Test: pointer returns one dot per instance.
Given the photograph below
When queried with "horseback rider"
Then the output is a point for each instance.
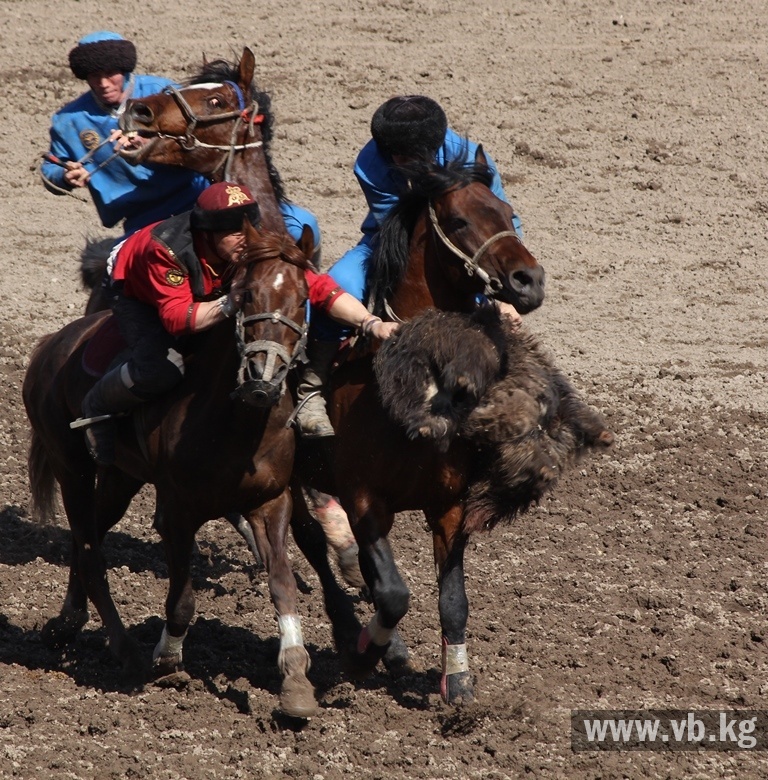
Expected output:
(165, 281)
(86, 141)
(403, 129)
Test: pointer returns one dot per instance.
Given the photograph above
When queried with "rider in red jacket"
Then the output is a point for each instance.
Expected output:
(165, 281)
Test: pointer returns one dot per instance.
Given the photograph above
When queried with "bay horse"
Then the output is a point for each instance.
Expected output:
(220, 124)
(219, 444)
(448, 241)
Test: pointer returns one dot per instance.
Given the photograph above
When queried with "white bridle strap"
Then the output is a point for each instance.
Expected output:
(472, 264)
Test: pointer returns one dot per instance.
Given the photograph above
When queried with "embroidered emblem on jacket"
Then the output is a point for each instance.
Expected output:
(90, 139)
(174, 277)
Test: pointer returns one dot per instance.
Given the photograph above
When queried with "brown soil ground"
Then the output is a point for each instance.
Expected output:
(632, 140)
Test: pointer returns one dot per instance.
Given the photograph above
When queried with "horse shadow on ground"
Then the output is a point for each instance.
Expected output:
(25, 540)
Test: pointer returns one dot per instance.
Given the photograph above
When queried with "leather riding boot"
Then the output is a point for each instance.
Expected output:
(312, 418)
(109, 396)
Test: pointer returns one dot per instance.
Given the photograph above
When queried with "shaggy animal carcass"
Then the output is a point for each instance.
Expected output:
(472, 378)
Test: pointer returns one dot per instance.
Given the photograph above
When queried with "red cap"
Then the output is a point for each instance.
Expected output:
(222, 206)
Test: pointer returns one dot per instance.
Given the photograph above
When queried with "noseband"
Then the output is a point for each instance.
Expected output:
(265, 390)
(244, 118)
(472, 264)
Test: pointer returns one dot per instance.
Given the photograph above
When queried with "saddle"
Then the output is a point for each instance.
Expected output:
(103, 348)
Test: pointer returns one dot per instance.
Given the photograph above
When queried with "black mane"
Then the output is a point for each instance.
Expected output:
(421, 182)
(221, 70)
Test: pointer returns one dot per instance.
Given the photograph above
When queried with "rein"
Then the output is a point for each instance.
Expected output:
(472, 264)
(244, 118)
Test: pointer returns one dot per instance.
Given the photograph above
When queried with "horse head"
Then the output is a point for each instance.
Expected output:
(449, 240)
(203, 124)
(476, 227)
(271, 326)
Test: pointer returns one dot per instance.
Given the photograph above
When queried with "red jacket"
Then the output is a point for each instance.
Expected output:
(150, 274)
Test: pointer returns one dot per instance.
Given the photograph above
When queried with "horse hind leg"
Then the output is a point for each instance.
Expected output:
(338, 533)
(91, 513)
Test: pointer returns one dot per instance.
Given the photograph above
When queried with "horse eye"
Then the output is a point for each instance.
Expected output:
(454, 224)
(214, 102)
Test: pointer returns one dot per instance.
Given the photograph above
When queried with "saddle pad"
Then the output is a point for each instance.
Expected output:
(103, 348)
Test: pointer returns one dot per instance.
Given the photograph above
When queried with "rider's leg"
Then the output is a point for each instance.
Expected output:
(325, 335)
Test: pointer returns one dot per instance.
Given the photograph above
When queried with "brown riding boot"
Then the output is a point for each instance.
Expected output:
(108, 397)
(312, 418)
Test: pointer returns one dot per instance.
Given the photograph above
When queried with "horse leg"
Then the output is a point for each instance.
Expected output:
(62, 629)
(240, 524)
(90, 513)
(449, 543)
(333, 519)
(312, 541)
(270, 523)
(178, 541)
(390, 594)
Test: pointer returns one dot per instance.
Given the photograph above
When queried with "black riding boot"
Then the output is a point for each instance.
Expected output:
(109, 396)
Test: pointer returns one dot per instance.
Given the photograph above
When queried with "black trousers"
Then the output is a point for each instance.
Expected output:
(156, 363)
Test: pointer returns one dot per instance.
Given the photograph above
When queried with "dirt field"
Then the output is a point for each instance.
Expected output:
(632, 141)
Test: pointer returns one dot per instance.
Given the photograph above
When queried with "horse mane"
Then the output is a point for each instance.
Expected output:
(421, 182)
(271, 245)
(222, 70)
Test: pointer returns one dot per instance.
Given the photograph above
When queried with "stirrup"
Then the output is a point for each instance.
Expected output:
(84, 422)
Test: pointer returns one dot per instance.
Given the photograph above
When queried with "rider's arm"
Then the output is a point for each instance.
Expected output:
(326, 295)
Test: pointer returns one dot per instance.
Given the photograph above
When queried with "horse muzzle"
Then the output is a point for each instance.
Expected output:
(259, 393)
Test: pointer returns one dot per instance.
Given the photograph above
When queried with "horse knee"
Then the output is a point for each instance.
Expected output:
(392, 603)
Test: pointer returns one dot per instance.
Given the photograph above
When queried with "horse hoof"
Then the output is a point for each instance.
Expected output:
(397, 659)
(178, 680)
(457, 688)
(59, 631)
(297, 697)
(167, 665)
(359, 665)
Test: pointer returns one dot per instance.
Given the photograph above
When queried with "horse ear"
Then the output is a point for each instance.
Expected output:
(247, 67)
(251, 234)
(480, 158)
(205, 60)
(307, 242)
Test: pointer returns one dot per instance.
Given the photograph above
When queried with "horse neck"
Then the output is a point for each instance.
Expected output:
(249, 168)
(431, 279)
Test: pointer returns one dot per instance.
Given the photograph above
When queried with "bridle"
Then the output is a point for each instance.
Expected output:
(472, 264)
(264, 388)
(245, 117)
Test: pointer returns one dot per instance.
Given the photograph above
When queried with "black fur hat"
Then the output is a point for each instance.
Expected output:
(412, 125)
(102, 51)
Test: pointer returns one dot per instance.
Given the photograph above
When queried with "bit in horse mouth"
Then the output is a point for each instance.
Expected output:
(140, 142)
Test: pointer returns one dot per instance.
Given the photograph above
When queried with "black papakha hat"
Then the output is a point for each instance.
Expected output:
(222, 206)
(412, 125)
(102, 51)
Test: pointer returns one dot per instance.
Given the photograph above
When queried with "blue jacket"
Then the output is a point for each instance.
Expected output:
(138, 194)
(380, 185)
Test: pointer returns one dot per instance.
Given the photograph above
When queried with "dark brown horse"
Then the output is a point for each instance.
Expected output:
(217, 445)
(448, 241)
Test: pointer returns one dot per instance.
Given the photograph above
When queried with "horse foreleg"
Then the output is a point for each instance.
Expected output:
(178, 540)
(389, 591)
(449, 544)
(270, 523)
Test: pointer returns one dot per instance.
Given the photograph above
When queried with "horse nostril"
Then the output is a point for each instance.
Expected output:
(142, 113)
(520, 280)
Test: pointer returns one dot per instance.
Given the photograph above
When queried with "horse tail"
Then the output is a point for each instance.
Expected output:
(41, 480)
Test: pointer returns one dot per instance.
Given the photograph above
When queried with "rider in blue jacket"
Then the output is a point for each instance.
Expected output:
(405, 128)
(85, 136)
